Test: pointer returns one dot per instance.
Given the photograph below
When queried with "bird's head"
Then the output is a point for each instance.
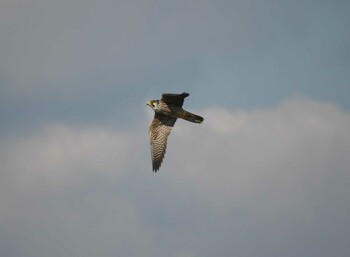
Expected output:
(152, 103)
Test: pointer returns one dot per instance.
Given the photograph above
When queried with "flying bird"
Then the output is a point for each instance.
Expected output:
(167, 110)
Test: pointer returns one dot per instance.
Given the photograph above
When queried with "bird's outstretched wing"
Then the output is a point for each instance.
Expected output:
(174, 99)
(159, 131)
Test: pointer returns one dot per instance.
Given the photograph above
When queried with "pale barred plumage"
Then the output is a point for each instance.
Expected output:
(167, 110)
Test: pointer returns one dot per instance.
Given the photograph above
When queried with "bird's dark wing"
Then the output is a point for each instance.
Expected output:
(174, 99)
(159, 131)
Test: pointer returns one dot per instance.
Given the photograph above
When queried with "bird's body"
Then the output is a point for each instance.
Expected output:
(167, 111)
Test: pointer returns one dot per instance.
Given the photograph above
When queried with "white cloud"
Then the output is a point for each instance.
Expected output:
(238, 183)
(282, 153)
(59, 154)
(59, 158)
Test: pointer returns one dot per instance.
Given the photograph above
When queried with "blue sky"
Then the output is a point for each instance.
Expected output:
(266, 174)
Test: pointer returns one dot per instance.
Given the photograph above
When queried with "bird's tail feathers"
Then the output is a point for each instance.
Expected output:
(191, 117)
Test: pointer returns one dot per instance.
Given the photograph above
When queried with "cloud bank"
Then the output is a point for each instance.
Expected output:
(266, 182)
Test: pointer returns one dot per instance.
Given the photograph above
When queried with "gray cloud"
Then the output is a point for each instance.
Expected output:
(75, 174)
(85, 60)
(270, 182)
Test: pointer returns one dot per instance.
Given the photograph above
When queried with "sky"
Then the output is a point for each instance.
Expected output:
(266, 174)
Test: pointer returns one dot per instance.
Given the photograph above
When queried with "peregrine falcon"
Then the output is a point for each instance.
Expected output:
(167, 110)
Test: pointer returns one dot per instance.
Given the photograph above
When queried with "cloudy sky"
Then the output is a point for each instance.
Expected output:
(266, 174)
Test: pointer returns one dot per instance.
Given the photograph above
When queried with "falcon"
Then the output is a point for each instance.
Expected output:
(167, 110)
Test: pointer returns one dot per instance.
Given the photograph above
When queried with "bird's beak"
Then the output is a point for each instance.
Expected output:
(149, 103)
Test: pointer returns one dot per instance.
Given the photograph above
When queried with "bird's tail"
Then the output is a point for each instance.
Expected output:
(191, 117)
